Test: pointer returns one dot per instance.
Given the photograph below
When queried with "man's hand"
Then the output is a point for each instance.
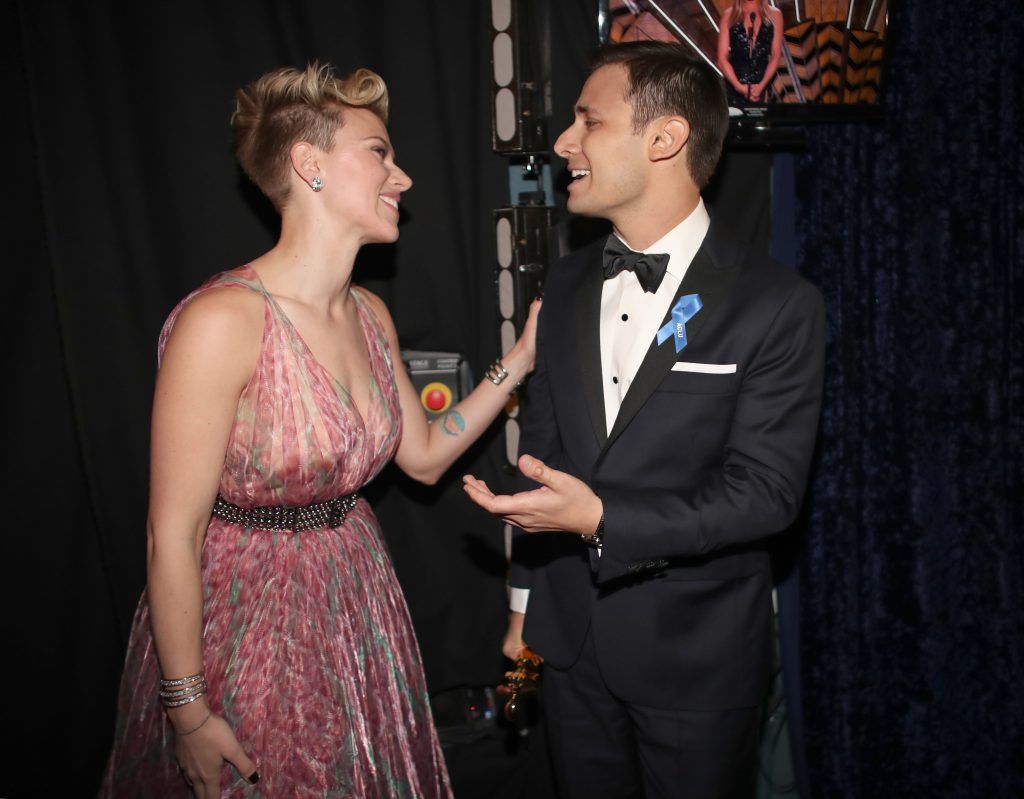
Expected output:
(513, 643)
(562, 503)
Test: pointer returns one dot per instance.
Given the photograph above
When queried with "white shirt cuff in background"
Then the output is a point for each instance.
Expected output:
(517, 599)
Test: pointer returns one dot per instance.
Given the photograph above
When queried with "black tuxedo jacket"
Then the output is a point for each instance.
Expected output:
(698, 471)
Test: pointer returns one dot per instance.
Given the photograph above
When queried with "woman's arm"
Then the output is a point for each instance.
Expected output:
(428, 449)
(723, 53)
(773, 62)
(209, 358)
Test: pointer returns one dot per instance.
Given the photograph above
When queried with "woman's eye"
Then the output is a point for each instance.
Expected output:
(380, 151)
(589, 123)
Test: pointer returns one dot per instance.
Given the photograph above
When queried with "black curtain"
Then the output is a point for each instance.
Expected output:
(913, 572)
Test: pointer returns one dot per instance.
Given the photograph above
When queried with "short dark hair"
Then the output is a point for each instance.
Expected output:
(665, 79)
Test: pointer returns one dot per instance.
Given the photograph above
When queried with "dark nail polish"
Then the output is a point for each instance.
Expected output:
(254, 778)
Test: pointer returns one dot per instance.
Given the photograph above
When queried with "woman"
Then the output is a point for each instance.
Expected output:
(275, 634)
(749, 48)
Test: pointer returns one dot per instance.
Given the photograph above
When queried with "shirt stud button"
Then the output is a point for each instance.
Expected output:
(615, 380)
(625, 317)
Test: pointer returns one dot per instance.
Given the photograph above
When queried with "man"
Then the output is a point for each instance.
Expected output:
(670, 426)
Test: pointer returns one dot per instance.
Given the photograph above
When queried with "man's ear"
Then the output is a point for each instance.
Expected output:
(305, 163)
(668, 137)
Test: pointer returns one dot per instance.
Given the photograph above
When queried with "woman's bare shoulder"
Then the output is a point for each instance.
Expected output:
(223, 308)
(222, 324)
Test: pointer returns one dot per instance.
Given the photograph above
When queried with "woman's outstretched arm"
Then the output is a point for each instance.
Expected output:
(428, 449)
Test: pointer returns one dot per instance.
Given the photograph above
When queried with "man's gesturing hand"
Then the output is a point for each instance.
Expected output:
(562, 503)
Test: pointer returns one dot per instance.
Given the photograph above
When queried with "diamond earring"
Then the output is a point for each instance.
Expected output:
(316, 183)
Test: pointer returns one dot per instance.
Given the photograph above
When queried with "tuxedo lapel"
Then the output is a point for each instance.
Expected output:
(707, 277)
(588, 339)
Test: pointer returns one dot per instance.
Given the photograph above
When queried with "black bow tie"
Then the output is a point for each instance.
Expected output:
(648, 267)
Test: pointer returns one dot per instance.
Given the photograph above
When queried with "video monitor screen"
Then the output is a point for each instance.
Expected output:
(798, 59)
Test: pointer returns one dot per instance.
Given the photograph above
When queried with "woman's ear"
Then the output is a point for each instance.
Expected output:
(305, 163)
(670, 135)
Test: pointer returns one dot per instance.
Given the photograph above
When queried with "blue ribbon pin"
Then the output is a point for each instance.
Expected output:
(682, 312)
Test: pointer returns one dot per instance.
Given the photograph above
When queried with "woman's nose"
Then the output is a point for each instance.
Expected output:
(401, 179)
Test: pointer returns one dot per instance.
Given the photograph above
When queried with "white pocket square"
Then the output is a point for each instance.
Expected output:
(705, 368)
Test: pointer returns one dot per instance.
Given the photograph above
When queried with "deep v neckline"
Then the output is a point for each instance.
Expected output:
(350, 403)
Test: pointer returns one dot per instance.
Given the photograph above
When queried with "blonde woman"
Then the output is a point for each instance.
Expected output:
(749, 48)
(272, 653)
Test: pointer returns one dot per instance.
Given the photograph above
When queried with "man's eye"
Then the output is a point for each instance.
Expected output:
(380, 151)
(589, 123)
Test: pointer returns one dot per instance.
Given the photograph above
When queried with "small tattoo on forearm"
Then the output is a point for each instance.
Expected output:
(452, 423)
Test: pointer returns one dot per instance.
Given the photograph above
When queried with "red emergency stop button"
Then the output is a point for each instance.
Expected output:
(435, 400)
(436, 397)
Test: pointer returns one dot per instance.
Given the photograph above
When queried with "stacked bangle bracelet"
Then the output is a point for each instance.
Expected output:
(497, 373)
(182, 691)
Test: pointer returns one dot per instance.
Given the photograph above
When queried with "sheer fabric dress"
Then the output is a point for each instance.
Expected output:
(749, 57)
(308, 647)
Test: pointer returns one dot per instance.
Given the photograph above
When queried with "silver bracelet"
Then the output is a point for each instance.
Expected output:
(182, 702)
(183, 692)
(171, 683)
(496, 372)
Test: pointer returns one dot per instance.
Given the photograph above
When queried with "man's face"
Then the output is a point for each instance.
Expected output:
(608, 163)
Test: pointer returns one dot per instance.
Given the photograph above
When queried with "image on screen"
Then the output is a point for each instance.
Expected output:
(812, 55)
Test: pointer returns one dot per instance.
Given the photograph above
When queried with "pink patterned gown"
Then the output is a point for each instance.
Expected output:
(307, 642)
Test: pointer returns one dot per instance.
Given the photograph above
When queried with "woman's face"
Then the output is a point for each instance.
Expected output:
(362, 182)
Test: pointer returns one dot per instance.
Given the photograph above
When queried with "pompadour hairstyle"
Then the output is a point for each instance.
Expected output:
(290, 105)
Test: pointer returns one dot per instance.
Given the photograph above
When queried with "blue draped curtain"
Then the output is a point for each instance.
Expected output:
(912, 611)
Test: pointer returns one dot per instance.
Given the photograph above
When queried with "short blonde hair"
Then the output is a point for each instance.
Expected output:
(290, 105)
(736, 12)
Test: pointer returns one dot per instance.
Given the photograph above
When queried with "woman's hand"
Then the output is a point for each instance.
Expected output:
(201, 755)
(427, 450)
(527, 343)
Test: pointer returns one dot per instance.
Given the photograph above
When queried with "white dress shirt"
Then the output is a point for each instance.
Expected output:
(630, 318)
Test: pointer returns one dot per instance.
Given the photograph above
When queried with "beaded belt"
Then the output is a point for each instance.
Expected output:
(278, 517)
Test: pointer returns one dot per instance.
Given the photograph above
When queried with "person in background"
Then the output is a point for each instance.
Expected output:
(272, 653)
(749, 48)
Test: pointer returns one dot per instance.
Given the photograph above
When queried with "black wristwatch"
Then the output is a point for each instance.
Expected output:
(595, 538)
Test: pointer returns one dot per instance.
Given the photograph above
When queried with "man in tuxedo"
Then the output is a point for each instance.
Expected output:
(670, 425)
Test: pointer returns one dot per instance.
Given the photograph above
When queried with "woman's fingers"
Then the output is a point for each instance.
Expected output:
(243, 764)
(210, 788)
